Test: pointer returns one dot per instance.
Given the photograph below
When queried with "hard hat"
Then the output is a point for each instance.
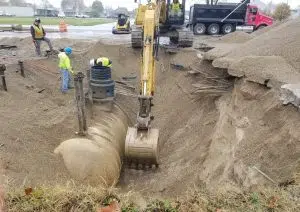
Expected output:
(92, 62)
(37, 20)
(68, 50)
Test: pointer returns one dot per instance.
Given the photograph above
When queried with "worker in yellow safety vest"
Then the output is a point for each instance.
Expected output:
(101, 61)
(38, 35)
(175, 9)
(65, 69)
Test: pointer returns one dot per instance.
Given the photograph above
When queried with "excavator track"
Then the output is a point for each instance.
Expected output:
(185, 38)
(137, 38)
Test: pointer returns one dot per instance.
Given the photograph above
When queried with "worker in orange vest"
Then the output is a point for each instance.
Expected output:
(38, 35)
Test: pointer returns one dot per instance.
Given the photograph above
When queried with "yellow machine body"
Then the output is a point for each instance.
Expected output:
(140, 15)
(169, 25)
(141, 145)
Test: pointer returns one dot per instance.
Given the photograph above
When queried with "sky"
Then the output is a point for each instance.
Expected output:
(130, 3)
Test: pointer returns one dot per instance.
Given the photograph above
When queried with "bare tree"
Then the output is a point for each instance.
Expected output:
(282, 12)
(17, 2)
(77, 5)
(3, 2)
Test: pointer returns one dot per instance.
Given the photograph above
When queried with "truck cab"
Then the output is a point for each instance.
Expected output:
(257, 19)
(223, 18)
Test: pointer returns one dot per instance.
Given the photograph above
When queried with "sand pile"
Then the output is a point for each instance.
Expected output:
(266, 29)
(272, 70)
(26, 50)
(208, 139)
(256, 57)
(236, 37)
(220, 50)
(36, 118)
(283, 41)
(224, 45)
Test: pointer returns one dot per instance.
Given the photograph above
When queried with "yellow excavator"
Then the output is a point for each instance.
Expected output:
(170, 15)
(154, 19)
(142, 141)
(141, 144)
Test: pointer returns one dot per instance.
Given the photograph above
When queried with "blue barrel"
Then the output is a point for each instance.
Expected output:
(100, 73)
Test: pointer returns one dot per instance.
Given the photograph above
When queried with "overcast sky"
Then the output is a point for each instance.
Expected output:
(130, 3)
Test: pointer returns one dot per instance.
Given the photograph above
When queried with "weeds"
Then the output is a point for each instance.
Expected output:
(79, 198)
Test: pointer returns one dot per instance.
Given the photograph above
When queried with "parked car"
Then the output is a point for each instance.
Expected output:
(2, 13)
(82, 16)
(61, 16)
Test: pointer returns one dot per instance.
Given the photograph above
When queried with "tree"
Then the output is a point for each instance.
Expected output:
(121, 10)
(64, 4)
(76, 5)
(17, 2)
(3, 3)
(282, 12)
(97, 8)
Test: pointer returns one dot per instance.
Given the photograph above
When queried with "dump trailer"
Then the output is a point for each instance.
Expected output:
(222, 18)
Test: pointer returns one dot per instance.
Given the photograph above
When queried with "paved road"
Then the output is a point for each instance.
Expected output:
(102, 32)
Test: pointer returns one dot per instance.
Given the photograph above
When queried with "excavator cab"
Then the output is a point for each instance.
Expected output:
(171, 17)
(175, 12)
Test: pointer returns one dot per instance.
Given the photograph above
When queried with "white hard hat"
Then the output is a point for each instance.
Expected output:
(92, 62)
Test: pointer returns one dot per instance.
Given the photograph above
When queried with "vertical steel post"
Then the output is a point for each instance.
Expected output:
(2, 69)
(22, 68)
(80, 101)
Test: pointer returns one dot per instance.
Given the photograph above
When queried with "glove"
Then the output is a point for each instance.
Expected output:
(34, 42)
(72, 72)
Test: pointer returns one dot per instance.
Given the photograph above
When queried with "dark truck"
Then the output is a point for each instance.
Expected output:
(215, 18)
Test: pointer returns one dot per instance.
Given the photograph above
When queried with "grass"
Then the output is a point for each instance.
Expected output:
(80, 198)
(55, 21)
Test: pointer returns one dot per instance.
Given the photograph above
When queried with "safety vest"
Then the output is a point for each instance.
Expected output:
(104, 61)
(38, 31)
(64, 62)
(175, 7)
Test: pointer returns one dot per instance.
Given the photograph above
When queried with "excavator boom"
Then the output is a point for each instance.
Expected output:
(141, 145)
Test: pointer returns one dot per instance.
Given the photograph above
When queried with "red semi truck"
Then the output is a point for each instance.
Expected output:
(217, 18)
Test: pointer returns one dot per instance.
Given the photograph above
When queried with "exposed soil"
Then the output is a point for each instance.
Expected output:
(216, 140)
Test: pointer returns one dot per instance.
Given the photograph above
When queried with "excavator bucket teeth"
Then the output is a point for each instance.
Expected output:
(141, 148)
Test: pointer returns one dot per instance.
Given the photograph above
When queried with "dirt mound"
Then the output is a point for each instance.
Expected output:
(236, 37)
(266, 29)
(283, 40)
(30, 137)
(220, 50)
(26, 50)
(209, 139)
(272, 70)
(36, 117)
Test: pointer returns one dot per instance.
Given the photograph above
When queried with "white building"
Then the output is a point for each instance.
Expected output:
(17, 11)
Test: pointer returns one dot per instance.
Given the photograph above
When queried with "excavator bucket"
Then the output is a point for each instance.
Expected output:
(141, 147)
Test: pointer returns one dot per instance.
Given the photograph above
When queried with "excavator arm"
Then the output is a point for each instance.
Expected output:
(141, 145)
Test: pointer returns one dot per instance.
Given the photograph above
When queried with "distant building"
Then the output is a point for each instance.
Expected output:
(47, 12)
(295, 13)
(69, 12)
(87, 11)
(17, 11)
